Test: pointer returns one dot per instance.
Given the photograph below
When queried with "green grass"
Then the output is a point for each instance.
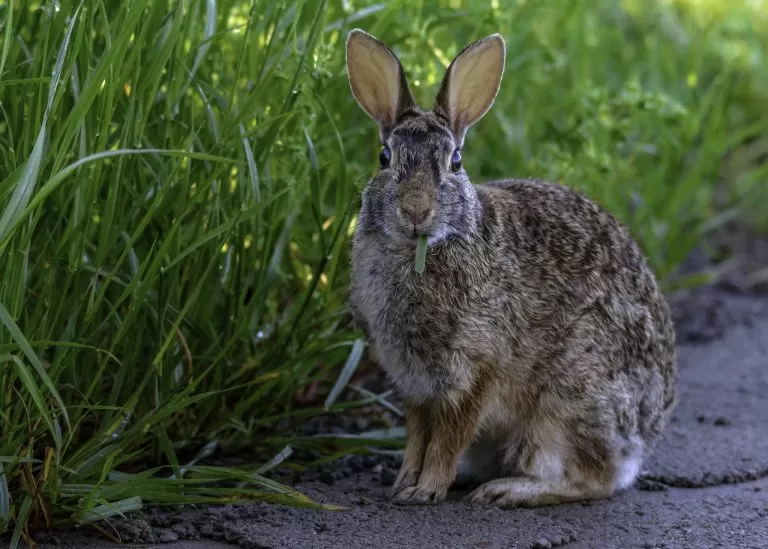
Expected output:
(177, 186)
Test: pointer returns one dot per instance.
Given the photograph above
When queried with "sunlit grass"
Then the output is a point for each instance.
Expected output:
(178, 185)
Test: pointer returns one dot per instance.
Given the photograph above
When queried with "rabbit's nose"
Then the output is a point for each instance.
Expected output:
(417, 212)
(416, 201)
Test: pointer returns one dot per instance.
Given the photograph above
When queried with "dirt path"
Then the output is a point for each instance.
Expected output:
(707, 487)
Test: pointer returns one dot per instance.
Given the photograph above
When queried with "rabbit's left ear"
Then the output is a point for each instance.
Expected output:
(470, 84)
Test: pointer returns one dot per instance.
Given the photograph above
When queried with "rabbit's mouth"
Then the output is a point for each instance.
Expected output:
(408, 234)
(435, 228)
(410, 226)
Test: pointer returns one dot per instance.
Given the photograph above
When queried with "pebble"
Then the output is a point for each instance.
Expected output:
(355, 464)
(167, 536)
(327, 477)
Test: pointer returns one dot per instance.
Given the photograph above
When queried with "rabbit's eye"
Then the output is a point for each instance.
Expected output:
(385, 155)
(456, 161)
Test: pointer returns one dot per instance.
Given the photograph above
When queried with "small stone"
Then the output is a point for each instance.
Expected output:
(542, 544)
(355, 464)
(327, 477)
(185, 530)
(159, 521)
(136, 530)
(167, 536)
(377, 469)
(722, 421)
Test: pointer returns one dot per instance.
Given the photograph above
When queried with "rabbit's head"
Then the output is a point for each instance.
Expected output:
(420, 187)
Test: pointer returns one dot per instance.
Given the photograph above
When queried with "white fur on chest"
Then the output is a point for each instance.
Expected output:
(419, 378)
(421, 374)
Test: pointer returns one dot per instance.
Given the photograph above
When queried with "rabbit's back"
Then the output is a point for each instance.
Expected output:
(568, 251)
(596, 319)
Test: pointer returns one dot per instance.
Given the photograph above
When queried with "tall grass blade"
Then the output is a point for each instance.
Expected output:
(109, 510)
(5, 501)
(26, 348)
(29, 177)
(353, 360)
(7, 28)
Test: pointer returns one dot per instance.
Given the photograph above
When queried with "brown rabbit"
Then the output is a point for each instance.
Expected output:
(535, 353)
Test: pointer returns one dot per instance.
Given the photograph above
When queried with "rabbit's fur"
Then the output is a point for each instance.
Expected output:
(535, 353)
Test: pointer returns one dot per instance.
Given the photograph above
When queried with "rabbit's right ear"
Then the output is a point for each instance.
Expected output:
(377, 80)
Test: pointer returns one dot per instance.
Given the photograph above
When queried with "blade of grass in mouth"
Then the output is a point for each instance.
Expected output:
(421, 253)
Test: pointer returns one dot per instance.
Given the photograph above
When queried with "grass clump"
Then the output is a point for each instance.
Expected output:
(178, 181)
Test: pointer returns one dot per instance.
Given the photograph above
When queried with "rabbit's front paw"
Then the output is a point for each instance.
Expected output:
(406, 478)
(415, 495)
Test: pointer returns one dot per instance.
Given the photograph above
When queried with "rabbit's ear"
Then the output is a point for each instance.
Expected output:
(471, 83)
(377, 80)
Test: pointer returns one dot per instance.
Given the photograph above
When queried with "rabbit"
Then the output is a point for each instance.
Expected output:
(535, 354)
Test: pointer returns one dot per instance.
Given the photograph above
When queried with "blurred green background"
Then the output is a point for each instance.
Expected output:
(178, 180)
